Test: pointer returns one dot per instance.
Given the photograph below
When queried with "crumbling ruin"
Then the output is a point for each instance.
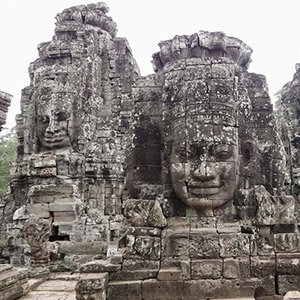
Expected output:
(175, 185)
(5, 100)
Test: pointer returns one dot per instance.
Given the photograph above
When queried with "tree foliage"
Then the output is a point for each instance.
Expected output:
(8, 154)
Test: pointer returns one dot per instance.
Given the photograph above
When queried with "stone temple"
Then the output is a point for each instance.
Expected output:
(183, 184)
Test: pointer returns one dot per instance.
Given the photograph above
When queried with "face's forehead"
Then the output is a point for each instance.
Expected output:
(55, 103)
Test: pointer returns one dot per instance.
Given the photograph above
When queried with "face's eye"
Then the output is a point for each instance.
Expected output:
(223, 155)
(178, 156)
(61, 116)
(196, 151)
(44, 119)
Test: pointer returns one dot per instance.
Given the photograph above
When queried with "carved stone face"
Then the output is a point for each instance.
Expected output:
(203, 174)
(53, 125)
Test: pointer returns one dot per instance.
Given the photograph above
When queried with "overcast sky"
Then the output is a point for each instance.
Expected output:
(270, 28)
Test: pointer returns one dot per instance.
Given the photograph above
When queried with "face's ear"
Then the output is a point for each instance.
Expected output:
(247, 153)
(247, 165)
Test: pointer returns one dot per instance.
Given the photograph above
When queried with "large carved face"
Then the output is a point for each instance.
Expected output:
(203, 173)
(54, 124)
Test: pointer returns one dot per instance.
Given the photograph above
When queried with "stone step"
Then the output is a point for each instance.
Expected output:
(65, 276)
(8, 278)
(35, 282)
(98, 266)
(5, 267)
(60, 286)
(13, 282)
(57, 286)
(46, 295)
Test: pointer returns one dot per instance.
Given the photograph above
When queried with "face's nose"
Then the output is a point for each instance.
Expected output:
(204, 171)
(52, 126)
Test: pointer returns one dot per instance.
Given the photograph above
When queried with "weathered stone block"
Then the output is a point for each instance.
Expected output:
(262, 266)
(12, 292)
(234, 245)
(197, 289)
(292, 295)
(98, 266)
(146, 213)
(234, 268)
(169, 274)
(8, 278)
(232, 227)
(206, 269)
(287, 242)
(266, 288)
(122, 290)
(162, 290)
(175, 243)
(64, 216)
(144, 231)
(39, 209)
(133, 274)
(136, 264)
(206, 246)
(80, 248)
(288, 283)
(288, 263)
(146, 247)
(92, 284)
(62, 207)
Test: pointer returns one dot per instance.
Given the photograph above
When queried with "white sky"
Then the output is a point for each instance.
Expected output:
(270, 27)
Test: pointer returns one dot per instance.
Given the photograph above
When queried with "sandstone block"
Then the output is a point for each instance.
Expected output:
(92, 283)
(124, 290)
(292, 295)
(288, 283)
(64, 216)
(144, 213)
(169, 274)
(39, 209)
(197, 289)
(206, 269)
(133, 274)
(142, 247)
(204, 246)
(98, 266)
(288, 263)
(135, 264)
(287, 242)
(234, 245)
(234, 268)
(62, 207)
(262, 266)
(70, 247)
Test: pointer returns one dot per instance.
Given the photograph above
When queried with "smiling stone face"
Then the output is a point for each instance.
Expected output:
(54, 124)
(203, 174)
(201, 133)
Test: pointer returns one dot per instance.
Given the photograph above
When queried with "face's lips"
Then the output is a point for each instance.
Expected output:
(204, 191)
(205, 184)
(204, 188)
(54, 138)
